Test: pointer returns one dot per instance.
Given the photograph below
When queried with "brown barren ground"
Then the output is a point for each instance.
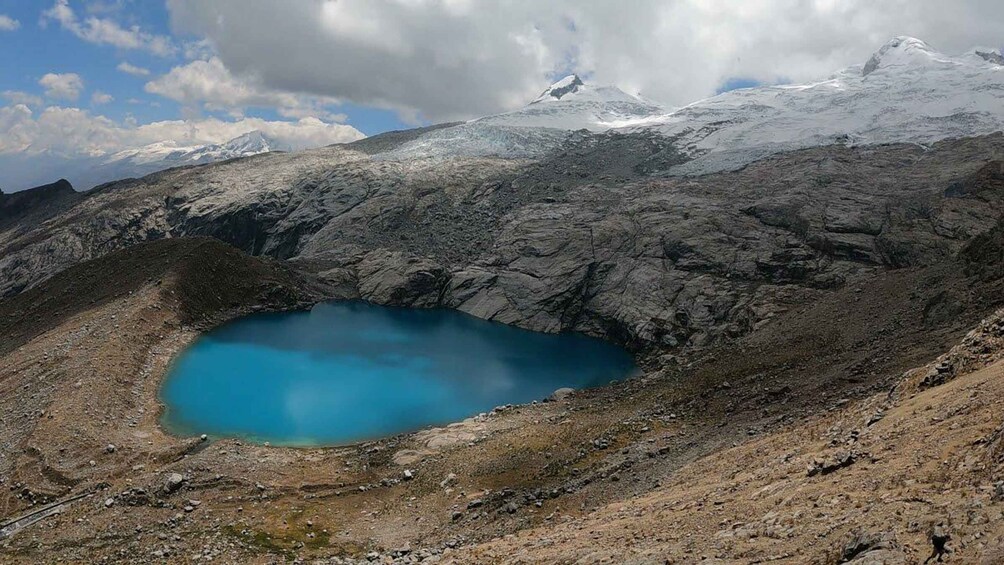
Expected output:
(706, 455)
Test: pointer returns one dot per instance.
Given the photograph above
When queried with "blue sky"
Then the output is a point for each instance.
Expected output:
(39, 47)
(31, 51)
(43, 45)
(737, 83)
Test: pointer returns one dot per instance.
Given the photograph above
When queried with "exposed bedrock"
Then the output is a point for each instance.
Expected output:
(590, 238)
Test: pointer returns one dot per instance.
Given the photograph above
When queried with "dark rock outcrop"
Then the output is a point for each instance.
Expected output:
(36, 203)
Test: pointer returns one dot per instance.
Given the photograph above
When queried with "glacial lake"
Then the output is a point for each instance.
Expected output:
(350, 371)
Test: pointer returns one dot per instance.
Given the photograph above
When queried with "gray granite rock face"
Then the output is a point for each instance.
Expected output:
(592, 238)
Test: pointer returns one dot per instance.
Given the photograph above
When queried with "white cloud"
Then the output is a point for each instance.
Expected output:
(8, 23)
(65, 86)
(209, 84)
(108, 32)
(460, 58)
(105, 6)
(199, 49)
(19, 97)
(73, 132)
(98, 97)
(131, 69)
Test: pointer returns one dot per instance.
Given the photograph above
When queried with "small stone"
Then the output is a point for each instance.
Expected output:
(203, 437)
(109, 502)
(409, 474)
(110, 448)
(173, 482)
(401, 551)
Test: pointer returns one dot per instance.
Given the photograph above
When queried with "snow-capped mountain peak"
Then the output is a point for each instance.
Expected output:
(572, 104)
(252, 143)
(906, 92)
(567, 85)
(902, 51)
(164, 155)
(568, 105)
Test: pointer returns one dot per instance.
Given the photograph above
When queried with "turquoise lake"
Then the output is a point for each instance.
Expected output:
(350, 371)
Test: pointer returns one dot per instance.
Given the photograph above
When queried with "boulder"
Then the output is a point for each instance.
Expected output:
(560, 394)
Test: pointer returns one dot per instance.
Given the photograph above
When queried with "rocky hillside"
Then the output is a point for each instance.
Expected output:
(35, 205)
(519, 219)
(895, 479)
(587, 239)
(783, 445)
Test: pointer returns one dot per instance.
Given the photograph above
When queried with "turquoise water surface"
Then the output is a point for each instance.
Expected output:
(350, 371)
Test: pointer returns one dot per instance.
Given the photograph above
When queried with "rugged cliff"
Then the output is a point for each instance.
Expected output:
(590, 238)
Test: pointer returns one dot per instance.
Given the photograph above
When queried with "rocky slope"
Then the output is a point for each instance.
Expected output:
(640, 471)
(586, 239)
(35, 205)
(595, 231)
(869, 483)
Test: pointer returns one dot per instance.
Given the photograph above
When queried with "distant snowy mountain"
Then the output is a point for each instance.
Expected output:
(159, 156)
(85, 172)
(566, 105)
(570, 104)
(905, 92)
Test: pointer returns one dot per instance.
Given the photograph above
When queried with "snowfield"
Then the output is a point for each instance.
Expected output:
(906, 92)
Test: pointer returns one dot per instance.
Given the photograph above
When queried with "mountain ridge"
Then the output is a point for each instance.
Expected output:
(905, 92)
